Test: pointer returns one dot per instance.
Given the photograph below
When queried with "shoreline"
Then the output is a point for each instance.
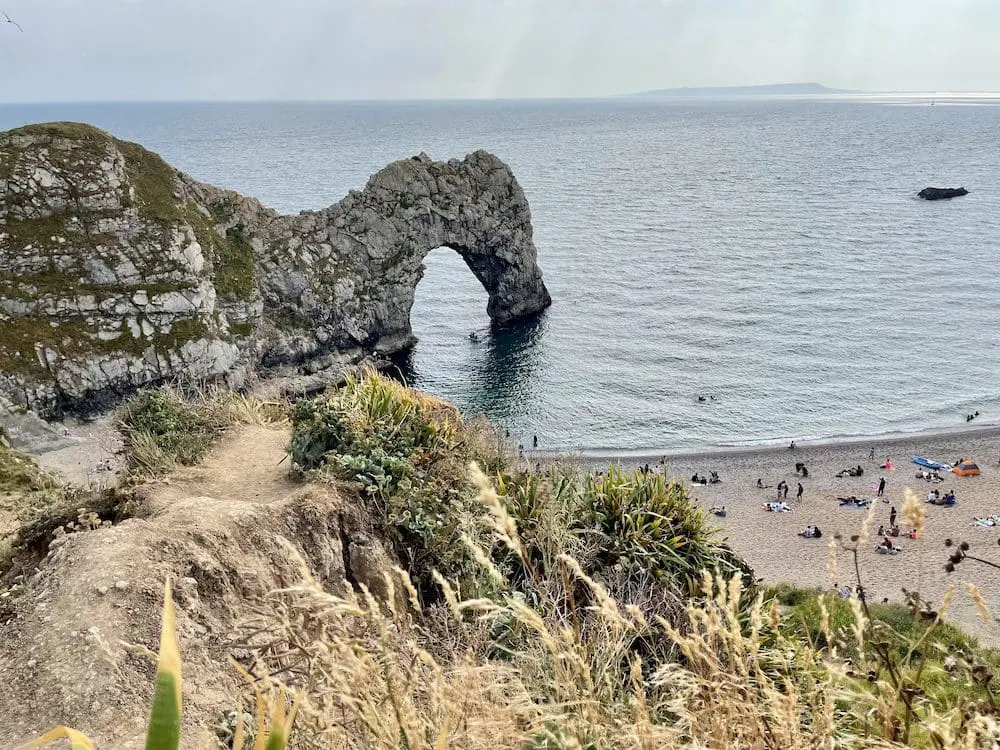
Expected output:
(880, 442)
(771, 542)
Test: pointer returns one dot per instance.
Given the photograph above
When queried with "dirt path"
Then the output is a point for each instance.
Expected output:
(218, 532)
(248, 466)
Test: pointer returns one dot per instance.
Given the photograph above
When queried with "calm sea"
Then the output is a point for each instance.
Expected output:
(768, 254)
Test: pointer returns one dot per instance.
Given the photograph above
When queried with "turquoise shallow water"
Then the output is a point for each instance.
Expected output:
(771, 254)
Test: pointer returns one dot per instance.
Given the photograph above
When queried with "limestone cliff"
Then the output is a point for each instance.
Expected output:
(117, 271)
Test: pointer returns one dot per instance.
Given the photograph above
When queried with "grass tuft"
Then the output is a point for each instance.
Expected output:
(19, 473)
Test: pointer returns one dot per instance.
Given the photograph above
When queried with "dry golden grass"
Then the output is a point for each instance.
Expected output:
(387, 675)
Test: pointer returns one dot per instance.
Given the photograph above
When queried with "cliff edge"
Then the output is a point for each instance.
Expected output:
(118, 271)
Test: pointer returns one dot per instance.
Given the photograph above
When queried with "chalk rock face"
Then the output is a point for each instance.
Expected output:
(117, 271)
(346, 275)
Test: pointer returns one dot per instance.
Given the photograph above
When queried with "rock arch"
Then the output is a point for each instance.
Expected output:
(119, 272)
(380, 237)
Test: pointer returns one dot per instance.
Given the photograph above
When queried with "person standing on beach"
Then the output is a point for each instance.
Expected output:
(881, 486)
(782, 486)
(798, 495)
(871, 453)
(786, 491)
(534, 441)
(892, 516)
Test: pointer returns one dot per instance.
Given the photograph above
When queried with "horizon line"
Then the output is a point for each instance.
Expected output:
(594, 97)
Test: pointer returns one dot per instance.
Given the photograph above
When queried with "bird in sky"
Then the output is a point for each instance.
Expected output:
(8, 19)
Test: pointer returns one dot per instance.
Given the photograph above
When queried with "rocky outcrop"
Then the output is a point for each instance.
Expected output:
(117, 271)
(936, 194)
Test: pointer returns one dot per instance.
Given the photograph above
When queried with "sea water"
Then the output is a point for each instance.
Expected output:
(770, 256)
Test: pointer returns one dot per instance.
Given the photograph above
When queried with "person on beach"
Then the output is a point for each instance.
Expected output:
(534, 441)
(782, 486)
(881, 530)
(871, 453)
(798, 495)
(881, 486)
(760, 484)
(892, 516)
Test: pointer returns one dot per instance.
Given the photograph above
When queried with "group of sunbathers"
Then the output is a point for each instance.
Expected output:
(988, 521)
(930, 476)
(811, 532)
(886, 547)
(934, 497)
(895, 531)
(855, 502)
(853, 471)
(779, 507)
(713, 478)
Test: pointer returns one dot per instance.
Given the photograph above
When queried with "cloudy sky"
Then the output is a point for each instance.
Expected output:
(103, 50)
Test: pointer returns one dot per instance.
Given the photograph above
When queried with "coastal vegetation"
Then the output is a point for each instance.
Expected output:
(20, 473)
(550, 607)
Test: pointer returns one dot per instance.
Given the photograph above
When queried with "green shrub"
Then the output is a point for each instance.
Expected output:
(648, 526)
(19, 473)
(913, 641)
(162, 431)
(407, 454)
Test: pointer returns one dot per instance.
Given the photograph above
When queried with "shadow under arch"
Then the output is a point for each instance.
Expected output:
(488, 371)
(504, 365)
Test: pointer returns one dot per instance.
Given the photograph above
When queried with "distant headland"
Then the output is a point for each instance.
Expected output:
(729, 92)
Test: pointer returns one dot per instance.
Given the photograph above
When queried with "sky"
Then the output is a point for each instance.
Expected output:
(109, 50)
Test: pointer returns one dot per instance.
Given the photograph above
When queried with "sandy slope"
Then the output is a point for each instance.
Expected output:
(214, 530)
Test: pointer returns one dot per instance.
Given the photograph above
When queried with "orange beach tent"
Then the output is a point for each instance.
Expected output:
(966, 469)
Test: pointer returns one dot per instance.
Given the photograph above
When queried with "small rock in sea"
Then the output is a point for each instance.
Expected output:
(936, 194)
(121, 585)
(102, 590)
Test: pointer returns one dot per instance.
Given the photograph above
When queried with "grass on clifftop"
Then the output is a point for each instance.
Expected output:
(408, 454)
(577, 611)
(158, 201)
(19, 473)
(163, 429)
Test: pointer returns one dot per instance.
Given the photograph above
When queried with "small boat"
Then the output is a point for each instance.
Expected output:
(928, 464)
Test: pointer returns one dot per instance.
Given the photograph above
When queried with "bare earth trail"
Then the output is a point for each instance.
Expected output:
(249, 466)
(218, 531)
